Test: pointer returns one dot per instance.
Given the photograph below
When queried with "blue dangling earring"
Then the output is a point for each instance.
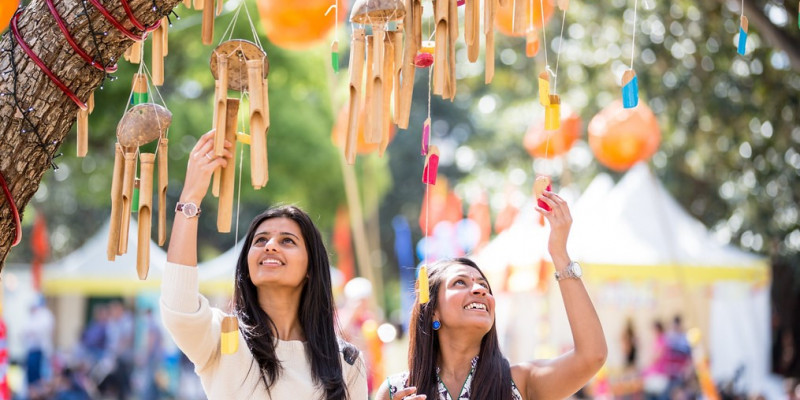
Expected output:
(436, 324)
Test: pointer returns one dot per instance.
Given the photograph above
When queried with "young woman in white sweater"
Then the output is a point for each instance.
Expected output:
(287, 344)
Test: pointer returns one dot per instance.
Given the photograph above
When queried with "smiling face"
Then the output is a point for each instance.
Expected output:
(464, 300)
(278, 256)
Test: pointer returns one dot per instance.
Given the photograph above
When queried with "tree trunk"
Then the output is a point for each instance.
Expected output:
(33, 127)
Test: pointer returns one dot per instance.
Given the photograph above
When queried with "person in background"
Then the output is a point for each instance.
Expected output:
(38, 337)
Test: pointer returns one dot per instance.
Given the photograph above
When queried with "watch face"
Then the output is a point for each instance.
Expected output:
(189, 209)
(576, 269)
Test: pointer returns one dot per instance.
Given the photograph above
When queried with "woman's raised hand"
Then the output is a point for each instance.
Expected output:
(201, 166)
(560, 223)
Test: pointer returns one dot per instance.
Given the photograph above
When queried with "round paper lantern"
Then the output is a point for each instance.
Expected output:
(339, 133)
(297, 25)
(504, 19)
(560, 140)
(7, 9)
(620, 137)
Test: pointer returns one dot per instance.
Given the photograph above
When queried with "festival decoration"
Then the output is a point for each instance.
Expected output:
(7, 9)
(229, 339)
(547, 144)
(517, 17)
(242, 66)
(630, 83)
(550, 101)
(620, 137)
(540, 185)
(384, 68)
(298, 25)
(142, 123)
(431, 169)
(743, 25)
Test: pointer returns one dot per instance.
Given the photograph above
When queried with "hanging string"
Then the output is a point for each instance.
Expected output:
(558, 53)
(544, 33)
(14, 211)
(742, 8)
(633, 30)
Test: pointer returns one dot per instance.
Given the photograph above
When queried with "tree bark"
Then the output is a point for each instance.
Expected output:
(26, 156)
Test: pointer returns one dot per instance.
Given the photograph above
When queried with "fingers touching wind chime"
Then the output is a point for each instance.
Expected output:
(143, 123)
(630, 82)
(241, 66)
(384, 68)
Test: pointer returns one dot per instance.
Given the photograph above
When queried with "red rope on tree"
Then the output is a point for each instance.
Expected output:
(41, 65)
(14, 211)
(116, 23)
(74, 45)
(135, 21)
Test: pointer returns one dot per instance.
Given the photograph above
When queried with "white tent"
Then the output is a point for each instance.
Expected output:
(644, 258)
(88, 271)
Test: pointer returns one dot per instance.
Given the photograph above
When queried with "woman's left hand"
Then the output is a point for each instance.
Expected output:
(560, 223)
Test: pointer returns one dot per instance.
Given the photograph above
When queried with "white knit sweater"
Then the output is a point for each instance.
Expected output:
(196, 328)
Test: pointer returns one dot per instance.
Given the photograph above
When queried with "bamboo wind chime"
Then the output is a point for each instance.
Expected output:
(160, 47)
(385, 67)
(445, 15)
(239, 65)
(142, 123)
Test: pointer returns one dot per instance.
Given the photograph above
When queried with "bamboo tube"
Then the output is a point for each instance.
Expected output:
(116, 203)
(412, 23)
(472, 29)
(165, 27)
(356, 78)
(220, 101)
(502, 2)
(146, 161)
(187, 3)
(198, 4)
(90, 103)
(397, 63)
(388, 70)
(225, 209)
(258, 146)
(83, 132)
(489, 9)
(375, 129)
(519, 24)
(163, 179)
(127, 197)
(219, 6)
(208, 21)
(369, 92)
(158, 56)
(265, 104)
(440, 67)
(134, 53)
(453, 36)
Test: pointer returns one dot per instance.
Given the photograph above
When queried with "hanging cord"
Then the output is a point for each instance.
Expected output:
(558, 54)
(334, 7)
(544, 33)
(14, 211)
(742, 8)
(633, 29)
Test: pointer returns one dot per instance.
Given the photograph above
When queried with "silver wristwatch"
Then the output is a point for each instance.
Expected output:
(572, 271)
(189, 210)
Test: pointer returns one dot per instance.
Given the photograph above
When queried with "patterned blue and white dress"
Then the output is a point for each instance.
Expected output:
(398, 382)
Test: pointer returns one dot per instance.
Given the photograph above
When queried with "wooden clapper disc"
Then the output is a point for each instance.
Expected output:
(141, 124)
(240, 65)
(378, 13)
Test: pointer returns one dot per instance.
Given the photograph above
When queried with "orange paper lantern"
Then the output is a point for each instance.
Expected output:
(297, 25)
(548, 144)
(620, 137)
(339, 133)
(504, 19)
(7, 9)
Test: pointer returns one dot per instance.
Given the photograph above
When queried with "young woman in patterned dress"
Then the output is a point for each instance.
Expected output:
(454, 350)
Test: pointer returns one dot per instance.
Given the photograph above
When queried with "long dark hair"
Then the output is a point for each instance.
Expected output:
(492, 376)
(315, 312)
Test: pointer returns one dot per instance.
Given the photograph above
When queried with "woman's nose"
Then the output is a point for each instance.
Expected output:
(479, 289)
